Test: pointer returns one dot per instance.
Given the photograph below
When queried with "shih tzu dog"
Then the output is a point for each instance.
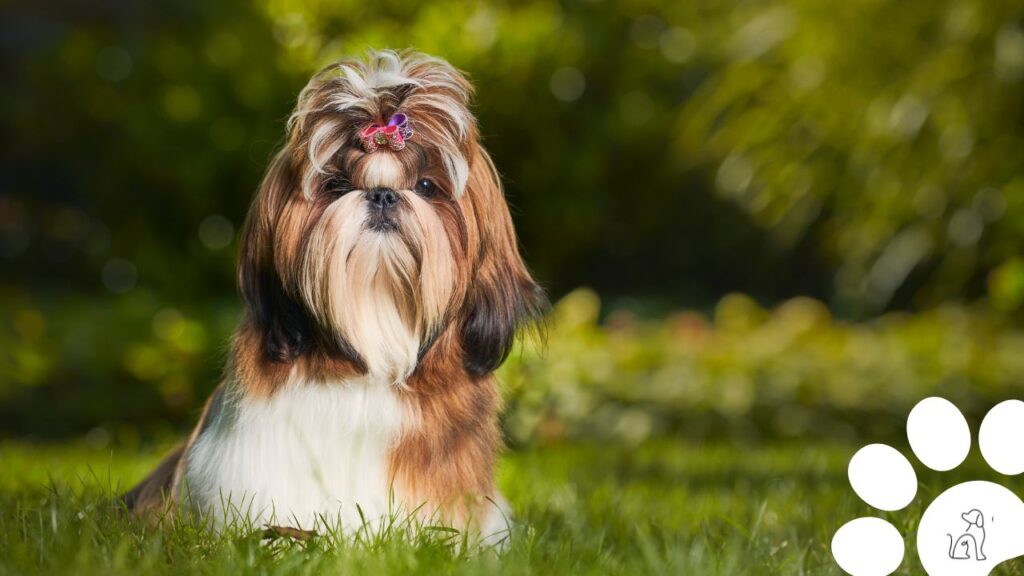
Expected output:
(382, 286)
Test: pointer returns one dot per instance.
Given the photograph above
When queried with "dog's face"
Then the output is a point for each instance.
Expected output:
(370, 256)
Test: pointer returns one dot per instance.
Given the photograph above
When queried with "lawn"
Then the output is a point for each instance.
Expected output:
(661, 507)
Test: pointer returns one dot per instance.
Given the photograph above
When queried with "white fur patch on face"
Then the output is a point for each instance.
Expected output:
(382, 169)
(356, 282)
(383, 292)
(310, 450)
(374, 304)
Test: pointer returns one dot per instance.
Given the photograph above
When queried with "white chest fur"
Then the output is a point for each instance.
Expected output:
(309, 452)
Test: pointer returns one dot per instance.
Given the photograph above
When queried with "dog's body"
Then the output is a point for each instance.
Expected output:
(383, 287)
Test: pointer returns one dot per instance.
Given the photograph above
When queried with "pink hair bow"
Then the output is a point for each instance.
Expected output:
(393, 134)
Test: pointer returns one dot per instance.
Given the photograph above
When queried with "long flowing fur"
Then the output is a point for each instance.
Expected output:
(363, 365)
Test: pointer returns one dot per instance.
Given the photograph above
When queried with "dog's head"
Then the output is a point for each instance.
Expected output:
(974, 517)
(366, 245)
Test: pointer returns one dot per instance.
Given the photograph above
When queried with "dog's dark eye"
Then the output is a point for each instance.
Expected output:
(339, 185)
(426, 187)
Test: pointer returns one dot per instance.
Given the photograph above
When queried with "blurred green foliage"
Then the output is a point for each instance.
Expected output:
(889, 132)
(666, 154)
(132, 366)
(744, 371)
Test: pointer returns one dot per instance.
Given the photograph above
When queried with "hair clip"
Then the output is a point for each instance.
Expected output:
(393, 134)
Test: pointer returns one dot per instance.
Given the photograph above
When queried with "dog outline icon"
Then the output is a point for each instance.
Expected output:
(972, 540)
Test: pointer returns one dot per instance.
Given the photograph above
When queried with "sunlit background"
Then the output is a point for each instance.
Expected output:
(758, 219)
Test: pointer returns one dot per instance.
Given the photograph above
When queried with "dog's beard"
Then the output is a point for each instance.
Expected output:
(384, 291)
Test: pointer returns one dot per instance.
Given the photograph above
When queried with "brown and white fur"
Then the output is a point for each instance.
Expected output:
(361, 373)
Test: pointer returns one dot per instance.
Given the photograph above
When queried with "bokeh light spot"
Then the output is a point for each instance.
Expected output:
(168, 324)
(1010, 53)
(965, 228)
(735, 174)
(677, 45)
(119, 275)
(646, 31)
(182, 103)
(567, 84)
(113, 64)
(216, 232)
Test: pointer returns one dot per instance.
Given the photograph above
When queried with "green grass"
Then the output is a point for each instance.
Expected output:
(664, 507)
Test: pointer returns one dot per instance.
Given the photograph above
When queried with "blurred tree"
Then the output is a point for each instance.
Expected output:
(888, 131)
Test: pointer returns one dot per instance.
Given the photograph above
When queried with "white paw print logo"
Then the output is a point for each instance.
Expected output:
(968, 529)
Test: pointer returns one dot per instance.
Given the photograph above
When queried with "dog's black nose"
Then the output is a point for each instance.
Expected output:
(382, 198)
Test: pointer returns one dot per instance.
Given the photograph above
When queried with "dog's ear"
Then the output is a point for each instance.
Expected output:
(502, 298)
(283, 325)
(974, 517)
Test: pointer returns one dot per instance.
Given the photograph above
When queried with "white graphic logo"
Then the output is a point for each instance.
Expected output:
(968, 529)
